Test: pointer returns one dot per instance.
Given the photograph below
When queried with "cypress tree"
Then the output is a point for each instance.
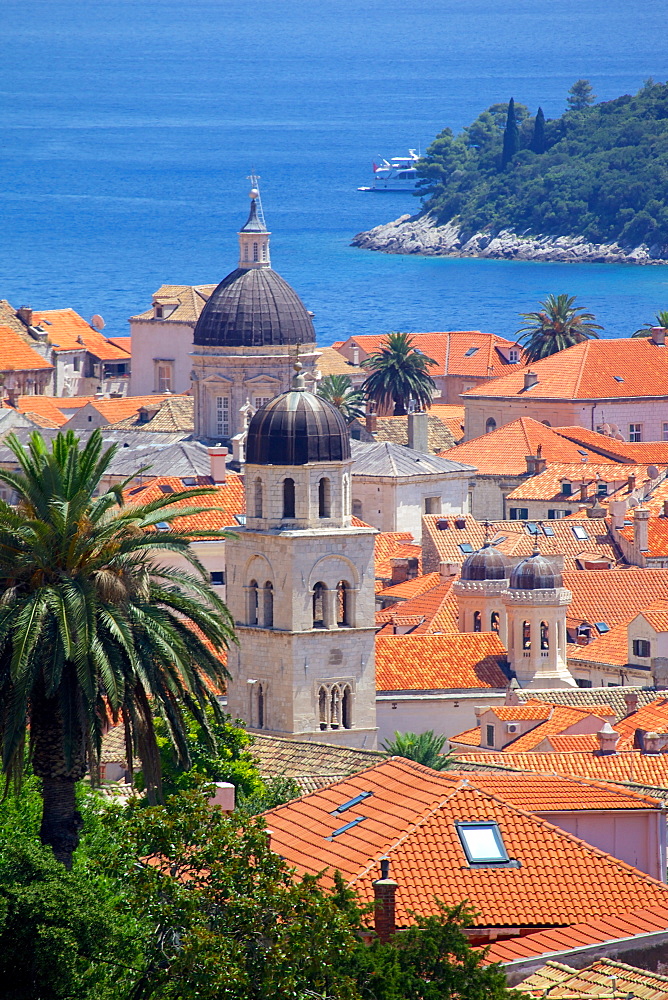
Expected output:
(538, 139)
(511, 136)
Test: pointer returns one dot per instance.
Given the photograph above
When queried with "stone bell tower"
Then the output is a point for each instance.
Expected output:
(301, 581)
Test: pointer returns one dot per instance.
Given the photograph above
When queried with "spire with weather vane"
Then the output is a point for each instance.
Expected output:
(254, 236)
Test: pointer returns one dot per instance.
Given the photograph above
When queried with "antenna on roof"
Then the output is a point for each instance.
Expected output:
(255, 183)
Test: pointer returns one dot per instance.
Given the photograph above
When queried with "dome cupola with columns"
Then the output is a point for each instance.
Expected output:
(480, 589)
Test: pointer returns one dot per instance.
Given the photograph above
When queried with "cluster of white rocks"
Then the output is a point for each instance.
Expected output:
(419, 234)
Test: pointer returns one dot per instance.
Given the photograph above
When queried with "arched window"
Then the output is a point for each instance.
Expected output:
(319, 605)
(268, 605)
(322, 708)
(357, 509)
(544, 635)
(526, 635)
(490, 425)
(256, 252)
(494, 621)
(347, 708)
(288, 497)
(335, 707)
(245, 251)
(477, 621)
(259, 705)
(342, 603)
(258, 497)
(346, 496)
(547, 423)
(264, 251)
(252, 602)
(324, 497)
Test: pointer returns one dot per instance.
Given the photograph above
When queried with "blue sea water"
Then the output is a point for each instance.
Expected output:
(128, 129)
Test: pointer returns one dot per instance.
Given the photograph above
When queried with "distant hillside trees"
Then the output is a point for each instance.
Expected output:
(580, 96)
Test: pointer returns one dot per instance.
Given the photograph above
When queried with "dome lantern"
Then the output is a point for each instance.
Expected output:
(535, 573)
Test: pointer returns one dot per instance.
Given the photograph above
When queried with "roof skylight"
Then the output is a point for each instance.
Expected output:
(352, 802)
(618, 378)
(348, 826)
(548, 530)
(471, 351)
(482, 843)
(531, 528)
(602, 627)
(466, 547)
(162, 526)
(188, 481)
(580, 533)
(166, 488)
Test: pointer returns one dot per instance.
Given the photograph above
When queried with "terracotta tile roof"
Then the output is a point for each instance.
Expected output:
(115, 410)
(228, 500)
(57, 410)
(657, 529)
(390, 545)
(543, 793)
(596, 981)
(67, 331)
(423, 607)
(614, 595)
(175, 414)
(637, 921)
(548, 484)
(612, 648)
(311, 765)
(468, 738)
(531, 711)
(625, 766)
(561, 719)
(652, 718)
(16, 355)
(590, 371)
(332, 362)
(411, 588)
(449, 350)
(579, 741)
(437, 662)
(410, 817)
(649, 452)
(589, 697)
(503, 451)
(395, 429)
(125, 343)
(452, 416)
(189, 300)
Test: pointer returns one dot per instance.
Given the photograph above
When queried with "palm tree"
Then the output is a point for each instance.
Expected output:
(93, 629)
(399, 375)
(424, 749)
(661, 320)
(558, 325)
(340, 392)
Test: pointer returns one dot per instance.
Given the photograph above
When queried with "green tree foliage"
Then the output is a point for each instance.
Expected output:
(580, 96)
(603, 175)
(538, 137)
(340, 392)
(398, 375)
(661, 319)
(424, 748)
(511, 136)
(91, 625)
(558, 324)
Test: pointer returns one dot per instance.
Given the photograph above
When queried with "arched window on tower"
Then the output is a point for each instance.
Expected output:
(288, 497)
(494, 621)
(347, 707)
(268, 605)
(258, 497)
(252, 602)
(258, 705)
(256, 252)
(335, 707)
(319, 598)
(544, 635)
(324, 497)
(346, 495)
(322, 708)
(490, 425)
(526, 635)
(343, 603)
(477, 621)
(264, 251)
(245, 251)
(357, 509)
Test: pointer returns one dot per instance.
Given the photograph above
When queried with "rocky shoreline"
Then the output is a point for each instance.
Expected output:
(419, 234)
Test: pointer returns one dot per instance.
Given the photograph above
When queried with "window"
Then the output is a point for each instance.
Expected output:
(258, 705)
(580, 533)
(466, 548)
(567, 489)
(482, 843)
(268, 605)
(223, 416)
(554, 515)
(635, 432)
(477, 621)
(252, 602)
(319, 599)
(526, 635)
(324, 498)
(544, 635)
(494, 621)
(347, 708)
(218, 578)
(245, 251)
(76, 365)
(258, 497)
(664, 434)
(489, 735)
(342, 603)
(602, 489)
(288, 497)
(335, 706)
(513, 356)
(432, 505)
(471, 351)
(264, 251)
(519, 513)
(531, 528)
(490, 425)
(256, 252)
(357, 509)
(602, 627)
(582, 682)
(163, 381)
(260, 401)
(641, 648)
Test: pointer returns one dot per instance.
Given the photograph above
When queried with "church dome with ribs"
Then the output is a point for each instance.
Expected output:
(485, 564)
(295, 428)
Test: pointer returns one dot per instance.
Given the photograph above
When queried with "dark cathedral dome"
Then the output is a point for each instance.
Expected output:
(485, 564)
(295, 428)
(535, 573)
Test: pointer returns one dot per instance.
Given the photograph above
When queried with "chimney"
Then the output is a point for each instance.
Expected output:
(418, 432)
(651, 743)
(446, 571)
(617, 511)
(665, 508)
(25, 315)
(223, 796)
(641, 529)
(631, 483)
(399, 570)
(530, 379)
(217, 460)
(607, 740)
(584, 489)
(355, 351)
(371, 421)
(535, 464)
(658, 336)
(384, 892)
(631, 699)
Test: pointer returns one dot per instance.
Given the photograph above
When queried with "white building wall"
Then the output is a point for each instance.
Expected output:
(153, 340)
(398, 504)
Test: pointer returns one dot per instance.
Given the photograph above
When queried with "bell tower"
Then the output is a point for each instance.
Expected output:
(301, 581)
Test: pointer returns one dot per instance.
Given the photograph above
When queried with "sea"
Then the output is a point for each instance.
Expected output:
(129, 128)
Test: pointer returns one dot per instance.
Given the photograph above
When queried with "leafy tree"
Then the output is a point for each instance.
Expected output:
(580, 96)
(511, 136)
(661, 319)
(92, 627)
(558, 324)
(398, 374)
(339, 390)
(538, 137)
(424, 748)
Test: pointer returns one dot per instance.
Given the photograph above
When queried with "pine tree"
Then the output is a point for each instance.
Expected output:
(511, 136)
(580, 96)
(537, 144)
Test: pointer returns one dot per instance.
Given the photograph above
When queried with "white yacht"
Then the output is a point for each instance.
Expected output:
(397, 174)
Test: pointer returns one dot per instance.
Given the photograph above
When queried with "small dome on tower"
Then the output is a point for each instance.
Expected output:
(535, 573)
(295, 428)
(485, 564)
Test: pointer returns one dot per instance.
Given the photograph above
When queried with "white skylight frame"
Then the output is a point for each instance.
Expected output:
(483, 843)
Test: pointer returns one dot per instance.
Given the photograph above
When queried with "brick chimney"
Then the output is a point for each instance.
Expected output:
(217, 460)
(384, 892)
(658, 336)
(371, 422)
(631, 483)
(607, 740)
(530, 379)
(631, 699)
(535, 463)
(25, 315)
(584, 490)
(641, 529)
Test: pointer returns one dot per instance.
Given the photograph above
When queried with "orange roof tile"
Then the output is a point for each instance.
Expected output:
(639, 920)
(228, 500)
(541, 793)
(548, 484)
(443, 661)
(613, 595)
(532, 710)
(624, 766)
(657, 529)
(452, 416)
(56, 409)
(561, 719)
(652, 718)
(650, 452)
(390, 545)
(574, 741)
(612, 648)
(411, 588)
(590, 371)
(410, 818)
(603, 978)
(16, 355)
(449, 350)
(67, 331)
(115, 410)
